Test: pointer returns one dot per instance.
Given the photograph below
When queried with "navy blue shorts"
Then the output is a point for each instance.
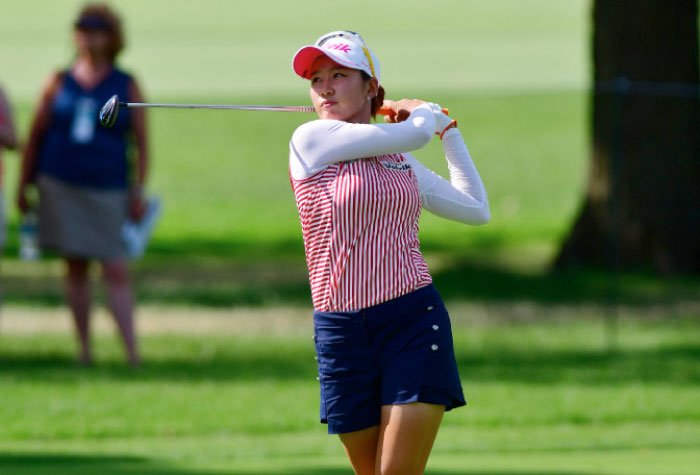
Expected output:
(396, 352)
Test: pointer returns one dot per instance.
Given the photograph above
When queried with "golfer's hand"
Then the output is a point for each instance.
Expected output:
(401, 109)
(442, 120)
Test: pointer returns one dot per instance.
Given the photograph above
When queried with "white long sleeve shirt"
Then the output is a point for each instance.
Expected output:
(360, 193)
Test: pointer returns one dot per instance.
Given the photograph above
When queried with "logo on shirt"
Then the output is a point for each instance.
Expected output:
(403, 166)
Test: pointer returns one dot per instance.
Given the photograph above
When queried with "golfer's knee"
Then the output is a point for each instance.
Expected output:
(398, 469)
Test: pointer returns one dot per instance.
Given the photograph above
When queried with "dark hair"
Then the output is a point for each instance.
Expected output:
(378, 99)
(100, 16)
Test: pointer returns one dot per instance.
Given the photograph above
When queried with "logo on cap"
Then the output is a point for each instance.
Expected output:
(344, 47)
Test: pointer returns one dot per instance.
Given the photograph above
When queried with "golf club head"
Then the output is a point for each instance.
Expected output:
(109, 111)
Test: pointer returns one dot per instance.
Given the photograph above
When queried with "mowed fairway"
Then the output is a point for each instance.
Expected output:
(236, 394)
(577, 373)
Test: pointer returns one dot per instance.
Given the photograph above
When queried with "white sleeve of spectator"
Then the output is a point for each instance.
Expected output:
(463, 198)
(319, 143)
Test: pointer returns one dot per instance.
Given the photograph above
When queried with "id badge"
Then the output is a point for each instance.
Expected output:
(84, 121)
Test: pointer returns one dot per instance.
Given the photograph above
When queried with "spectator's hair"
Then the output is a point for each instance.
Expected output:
(101, 17)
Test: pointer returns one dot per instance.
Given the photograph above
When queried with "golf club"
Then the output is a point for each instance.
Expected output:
(109, 111)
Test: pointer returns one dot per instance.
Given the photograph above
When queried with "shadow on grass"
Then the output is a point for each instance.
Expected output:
(40, 464)
(54, 464)
(675, 365)
(277, 365)
(257, 276)
(337, 471)
(465, 280)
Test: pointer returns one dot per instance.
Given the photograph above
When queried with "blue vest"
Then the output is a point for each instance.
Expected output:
(76, 148)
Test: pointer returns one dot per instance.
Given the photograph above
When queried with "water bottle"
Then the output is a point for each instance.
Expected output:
(29, 237)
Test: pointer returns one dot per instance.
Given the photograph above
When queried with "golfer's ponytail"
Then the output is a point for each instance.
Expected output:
(377, 101)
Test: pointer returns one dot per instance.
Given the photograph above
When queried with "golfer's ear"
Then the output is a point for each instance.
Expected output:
(373, 87)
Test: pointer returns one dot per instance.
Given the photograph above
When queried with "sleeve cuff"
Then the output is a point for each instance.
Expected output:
(442, 120)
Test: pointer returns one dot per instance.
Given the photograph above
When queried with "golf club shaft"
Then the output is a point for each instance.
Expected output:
(381, 111)
(219, 106)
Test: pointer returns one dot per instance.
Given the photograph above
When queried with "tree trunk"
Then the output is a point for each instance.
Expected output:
(642, 206)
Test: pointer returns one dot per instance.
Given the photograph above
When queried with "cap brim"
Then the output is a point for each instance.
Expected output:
(304, 58)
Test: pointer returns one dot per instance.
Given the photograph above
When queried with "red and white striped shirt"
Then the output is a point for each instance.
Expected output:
(360, 225)
(359, 216)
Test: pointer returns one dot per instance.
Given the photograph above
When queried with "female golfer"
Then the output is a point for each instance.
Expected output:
(383, 340)
(86, 188)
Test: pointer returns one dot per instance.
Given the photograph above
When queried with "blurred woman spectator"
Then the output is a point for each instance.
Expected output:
(88, 185)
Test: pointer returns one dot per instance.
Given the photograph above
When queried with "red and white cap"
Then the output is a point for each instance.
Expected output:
(344, 47)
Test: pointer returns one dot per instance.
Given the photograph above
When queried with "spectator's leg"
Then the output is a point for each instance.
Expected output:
(79, 299)
(121, 303)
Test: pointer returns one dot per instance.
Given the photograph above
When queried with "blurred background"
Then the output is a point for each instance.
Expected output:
(585, 368)
(514, 74)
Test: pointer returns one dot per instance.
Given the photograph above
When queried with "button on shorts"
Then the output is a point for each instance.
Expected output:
(396, 352)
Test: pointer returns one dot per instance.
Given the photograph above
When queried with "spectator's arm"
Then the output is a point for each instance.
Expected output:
(40, 124)
(8, 137)
(138, 117)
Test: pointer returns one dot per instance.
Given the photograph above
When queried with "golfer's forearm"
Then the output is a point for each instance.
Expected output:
(446, 200)
(463, 173)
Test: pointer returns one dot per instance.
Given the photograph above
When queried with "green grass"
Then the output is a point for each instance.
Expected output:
(512, 73)
(230, 47)
(229, 211)
(545, 396)
(223, 176)
(578, 373)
